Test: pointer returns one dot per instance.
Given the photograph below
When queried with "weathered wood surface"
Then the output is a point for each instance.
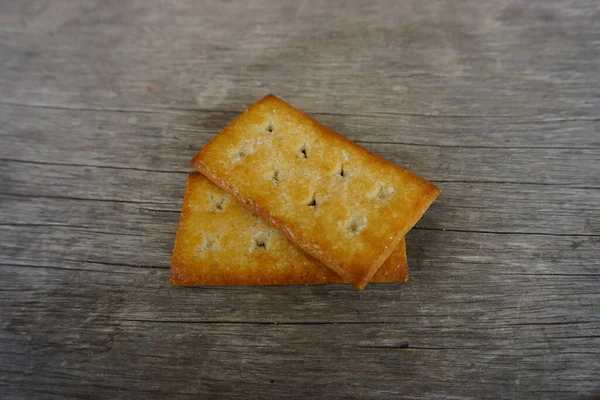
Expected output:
(103, 103)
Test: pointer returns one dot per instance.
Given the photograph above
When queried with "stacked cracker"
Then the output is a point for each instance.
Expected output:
(281, 199)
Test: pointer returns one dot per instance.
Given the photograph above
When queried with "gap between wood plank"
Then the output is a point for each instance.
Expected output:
(452, 146)
(73, 227)
(104, 271)
(91, 166)
(188, 172)
(233, 322)
(287, 323)
(415, 227)
(421, 271)
(35, 196)
(507, 233)
(112, 264)
(180, 110)
(17, 225)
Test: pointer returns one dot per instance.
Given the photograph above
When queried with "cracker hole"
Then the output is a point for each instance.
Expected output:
(259, 243)
(276, 176)
(240, 154)
(209, 244)
(270, 128)
(355, 226)
(384, 193)
(313, 201)
(218, 203)
(342, 172)
(303, 151)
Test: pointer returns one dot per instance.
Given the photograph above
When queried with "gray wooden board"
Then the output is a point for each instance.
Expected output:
(103, 103)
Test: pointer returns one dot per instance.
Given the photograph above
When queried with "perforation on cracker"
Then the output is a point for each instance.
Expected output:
(304, 151)
(259, 242)
(383, 192)
(239, 154)
(313, 200)
(218, 203)
(209, 243)
(355, 225)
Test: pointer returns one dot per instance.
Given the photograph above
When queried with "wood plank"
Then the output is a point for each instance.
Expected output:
(440, 253)
(464, 58)
(104, 103)
(500, 323)
(168, 142)
(90, 226)
(196, 126)
(523, 208)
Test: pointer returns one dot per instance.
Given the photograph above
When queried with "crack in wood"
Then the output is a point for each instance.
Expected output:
(42, 196)
(462, 146)
(506, 232)
(233, 322)
(37, 162)
(534, 119)
(104, 271)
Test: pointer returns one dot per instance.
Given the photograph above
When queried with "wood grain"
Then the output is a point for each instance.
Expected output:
(104, 102)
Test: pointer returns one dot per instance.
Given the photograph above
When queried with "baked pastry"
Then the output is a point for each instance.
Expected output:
(219, 242)
(334, 199)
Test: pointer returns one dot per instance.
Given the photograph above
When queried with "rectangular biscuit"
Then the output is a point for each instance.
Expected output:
(334, 199)
(219, 242)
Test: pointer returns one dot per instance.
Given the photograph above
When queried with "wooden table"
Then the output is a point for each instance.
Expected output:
(103, 104)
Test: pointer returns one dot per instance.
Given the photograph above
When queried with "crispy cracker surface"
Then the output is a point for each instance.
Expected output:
(331, 197)
(219, 242)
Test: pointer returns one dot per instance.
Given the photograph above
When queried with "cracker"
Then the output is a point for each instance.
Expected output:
(334, 199)
(219, 242)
